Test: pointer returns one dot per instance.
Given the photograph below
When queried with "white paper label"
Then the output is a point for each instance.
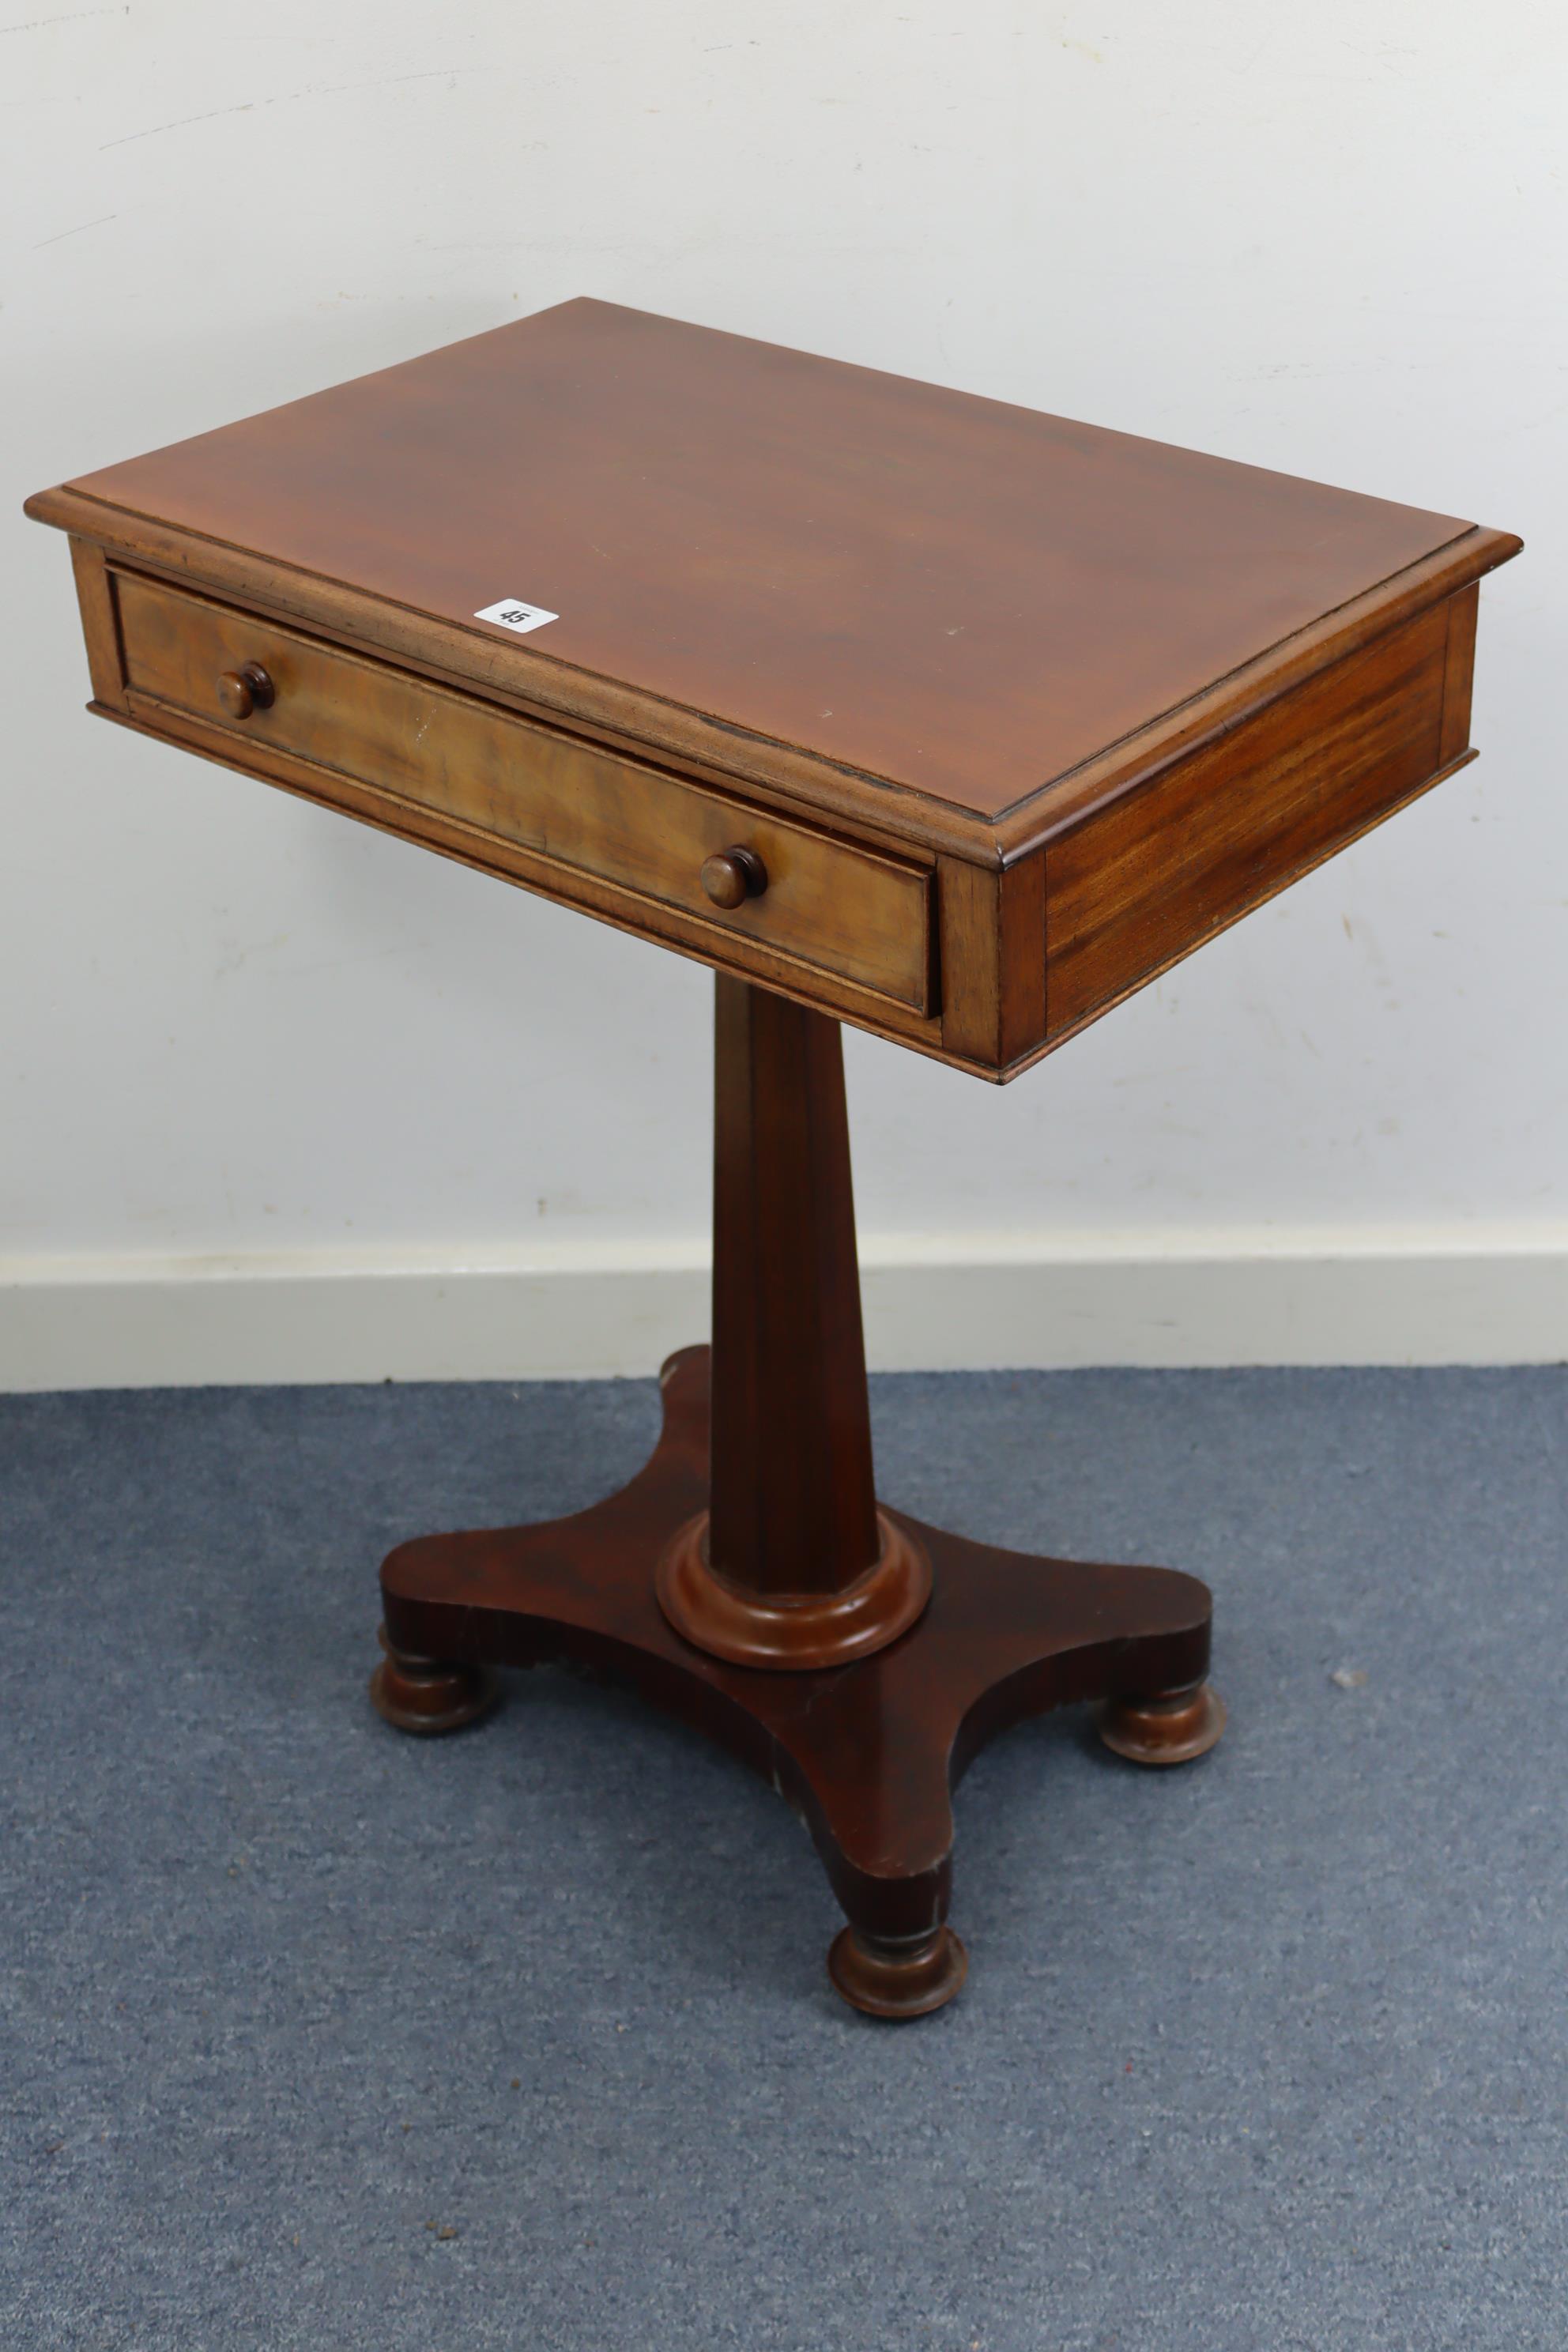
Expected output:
(512, 612)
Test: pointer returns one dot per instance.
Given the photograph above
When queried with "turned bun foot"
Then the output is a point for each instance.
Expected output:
(427, 1696)
(1170, 1729)
(909, 1977)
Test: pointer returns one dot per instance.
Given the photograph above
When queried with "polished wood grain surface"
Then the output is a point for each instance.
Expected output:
(964, 598)
(1157, 871)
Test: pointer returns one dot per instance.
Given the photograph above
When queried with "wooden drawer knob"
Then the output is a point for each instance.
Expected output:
(731, 877)
(241, 691)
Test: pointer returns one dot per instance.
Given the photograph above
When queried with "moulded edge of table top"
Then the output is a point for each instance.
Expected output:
(881, 809)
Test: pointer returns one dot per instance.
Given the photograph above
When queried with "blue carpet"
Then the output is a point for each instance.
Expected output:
(319, 2037)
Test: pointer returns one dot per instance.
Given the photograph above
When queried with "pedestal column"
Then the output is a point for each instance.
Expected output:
(792, 1565)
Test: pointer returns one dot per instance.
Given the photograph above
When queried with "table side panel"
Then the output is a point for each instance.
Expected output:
(1153, 875)
(856, 913)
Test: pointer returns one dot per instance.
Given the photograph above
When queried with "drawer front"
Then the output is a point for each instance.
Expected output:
(844, 910)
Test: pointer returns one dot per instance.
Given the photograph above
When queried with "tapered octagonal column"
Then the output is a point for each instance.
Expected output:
(792, 1565)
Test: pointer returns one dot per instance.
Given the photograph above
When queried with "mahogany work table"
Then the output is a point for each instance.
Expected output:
(896, 707)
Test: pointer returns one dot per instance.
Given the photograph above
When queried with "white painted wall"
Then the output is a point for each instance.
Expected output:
(1327, 239)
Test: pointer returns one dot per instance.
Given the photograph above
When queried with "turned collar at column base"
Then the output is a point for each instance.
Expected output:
(794, 1632)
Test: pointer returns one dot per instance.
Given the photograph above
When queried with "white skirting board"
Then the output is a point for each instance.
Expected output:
(1467, 1295)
